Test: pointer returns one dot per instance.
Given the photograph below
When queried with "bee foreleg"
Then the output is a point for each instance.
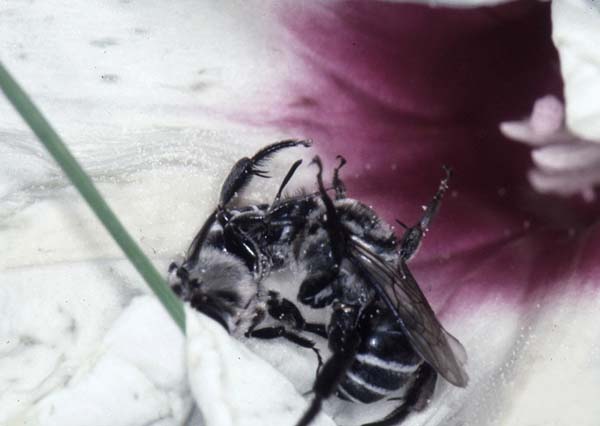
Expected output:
(269, 333)
(285, 311)
(338, 185)
(242, 172)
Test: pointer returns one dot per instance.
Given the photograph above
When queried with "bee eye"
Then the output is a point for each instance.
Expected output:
(173, 266)
(177, 289)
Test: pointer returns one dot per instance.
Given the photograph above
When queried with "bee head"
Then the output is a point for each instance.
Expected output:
(218, 284)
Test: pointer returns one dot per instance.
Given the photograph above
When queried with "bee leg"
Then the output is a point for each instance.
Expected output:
(285, 181)
(239, 176)
(344, 340)
(269, 333)
(238, 242)
(317, 290)
(332, 221)
(242, 172)
(411, 240)
(258, 318)
(325, 385)
(427, 380)
(316, 328)
(287, 312)
(415, 400)
(338, 185)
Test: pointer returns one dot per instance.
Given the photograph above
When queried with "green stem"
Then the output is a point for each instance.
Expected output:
(86, 188)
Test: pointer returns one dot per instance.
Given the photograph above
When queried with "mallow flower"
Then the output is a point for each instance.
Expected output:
(158, 102)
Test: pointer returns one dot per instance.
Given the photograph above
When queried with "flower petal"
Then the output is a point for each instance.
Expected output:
(576, 33)
(232, 385)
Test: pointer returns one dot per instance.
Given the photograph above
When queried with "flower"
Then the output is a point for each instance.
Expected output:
(152, 105)
(401, 90)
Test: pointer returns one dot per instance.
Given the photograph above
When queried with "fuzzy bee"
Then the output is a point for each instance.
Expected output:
(384, 337)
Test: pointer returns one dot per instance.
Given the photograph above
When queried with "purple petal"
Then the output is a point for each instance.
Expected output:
(401, 90)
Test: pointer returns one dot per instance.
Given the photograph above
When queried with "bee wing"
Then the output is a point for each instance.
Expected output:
(400, 291)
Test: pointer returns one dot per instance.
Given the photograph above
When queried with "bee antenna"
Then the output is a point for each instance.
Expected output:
(402, 224)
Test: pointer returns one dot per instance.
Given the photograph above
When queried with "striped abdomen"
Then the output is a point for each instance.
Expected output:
(384, 364)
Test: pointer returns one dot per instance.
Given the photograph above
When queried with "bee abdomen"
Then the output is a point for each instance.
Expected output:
(371, 378)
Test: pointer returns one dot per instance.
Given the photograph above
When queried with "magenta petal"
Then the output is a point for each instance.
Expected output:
(401, 90)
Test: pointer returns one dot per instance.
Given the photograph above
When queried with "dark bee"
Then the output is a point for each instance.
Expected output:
(384, 338)
(383, 334)
(225, 265)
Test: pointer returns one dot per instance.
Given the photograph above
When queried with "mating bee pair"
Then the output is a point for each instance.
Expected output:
(384, 337)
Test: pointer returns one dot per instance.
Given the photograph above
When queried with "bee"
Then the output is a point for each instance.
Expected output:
(236, 248)
(383, 334)
(385, 339)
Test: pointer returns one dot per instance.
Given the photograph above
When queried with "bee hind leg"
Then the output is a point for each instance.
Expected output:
(344, 340)
(415, 400)
(332, 221)
(411, 240)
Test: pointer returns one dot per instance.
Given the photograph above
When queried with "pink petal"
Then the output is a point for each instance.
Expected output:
(400, 90)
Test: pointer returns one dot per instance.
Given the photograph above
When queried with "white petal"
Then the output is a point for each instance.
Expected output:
(233, 386)
(131, 380)
(576, 34)
(573, 156)
(74, 355)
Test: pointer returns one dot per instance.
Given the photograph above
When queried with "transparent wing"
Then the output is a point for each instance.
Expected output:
(400, 291)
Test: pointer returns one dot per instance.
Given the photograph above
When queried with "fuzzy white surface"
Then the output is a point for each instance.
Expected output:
(80, 345)
(129, 369)
(232, 385)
